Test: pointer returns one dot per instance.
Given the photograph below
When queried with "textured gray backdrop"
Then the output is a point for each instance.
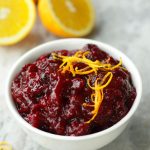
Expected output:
(125, 24)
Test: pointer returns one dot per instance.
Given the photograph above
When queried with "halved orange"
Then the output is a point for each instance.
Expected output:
(67, 18)
(17, 18)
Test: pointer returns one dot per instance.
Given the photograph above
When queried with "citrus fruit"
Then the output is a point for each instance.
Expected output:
(17, 18)
(67, 18)
(5, 146)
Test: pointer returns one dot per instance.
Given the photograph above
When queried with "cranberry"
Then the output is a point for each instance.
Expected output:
(77, 128)
(77, 84)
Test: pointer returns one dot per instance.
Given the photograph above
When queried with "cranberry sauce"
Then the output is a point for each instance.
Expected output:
(52, 101)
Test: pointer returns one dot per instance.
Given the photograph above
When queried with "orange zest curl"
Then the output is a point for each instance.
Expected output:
(98, 95)
(90, 66)
(80, 57)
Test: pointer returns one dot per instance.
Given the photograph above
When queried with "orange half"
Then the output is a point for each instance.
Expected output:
(17, 18)
(67, 18)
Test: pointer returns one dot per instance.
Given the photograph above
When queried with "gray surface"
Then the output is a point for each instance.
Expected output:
(125, 24)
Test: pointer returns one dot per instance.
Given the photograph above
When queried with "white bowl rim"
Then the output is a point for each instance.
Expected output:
(71, 138)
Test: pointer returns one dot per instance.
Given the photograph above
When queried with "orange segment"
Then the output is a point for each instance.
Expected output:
(5, 146)
(67, 18)
(16, 20)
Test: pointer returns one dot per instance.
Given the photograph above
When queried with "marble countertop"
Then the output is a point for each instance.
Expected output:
(124, 24)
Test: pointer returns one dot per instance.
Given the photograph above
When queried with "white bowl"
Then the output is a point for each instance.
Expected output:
(87, 142)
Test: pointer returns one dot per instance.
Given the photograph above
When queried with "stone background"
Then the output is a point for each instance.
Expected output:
(125, 24)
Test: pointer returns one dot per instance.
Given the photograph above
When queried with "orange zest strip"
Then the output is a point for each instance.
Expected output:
(98, 95)
(80, 57)
(91, 66)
